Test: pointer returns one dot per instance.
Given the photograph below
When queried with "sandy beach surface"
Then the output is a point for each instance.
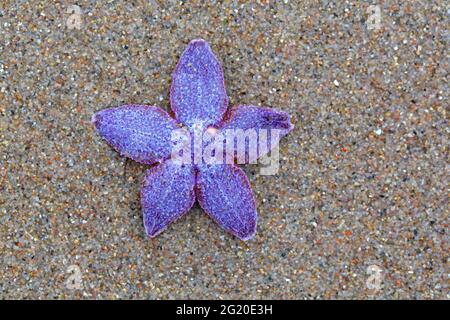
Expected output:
(358, 208)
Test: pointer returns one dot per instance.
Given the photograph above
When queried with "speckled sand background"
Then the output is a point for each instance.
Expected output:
(363, 178)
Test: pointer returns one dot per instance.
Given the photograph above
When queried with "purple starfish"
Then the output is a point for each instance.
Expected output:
(199, 101)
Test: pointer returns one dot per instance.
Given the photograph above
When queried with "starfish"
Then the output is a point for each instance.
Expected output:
(199, 103)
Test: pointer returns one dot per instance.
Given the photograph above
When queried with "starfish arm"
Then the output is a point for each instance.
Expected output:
(167, 193)
(198, 94)
(142, 133)
(269, 125)
(224, 192)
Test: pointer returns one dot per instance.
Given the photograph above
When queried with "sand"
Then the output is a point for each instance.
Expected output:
(358, 208)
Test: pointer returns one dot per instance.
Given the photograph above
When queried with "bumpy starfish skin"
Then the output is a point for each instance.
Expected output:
(199, 101)
(142, 133)
(167, 192)
(224, 192)
(253, 117)
(198, 92)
